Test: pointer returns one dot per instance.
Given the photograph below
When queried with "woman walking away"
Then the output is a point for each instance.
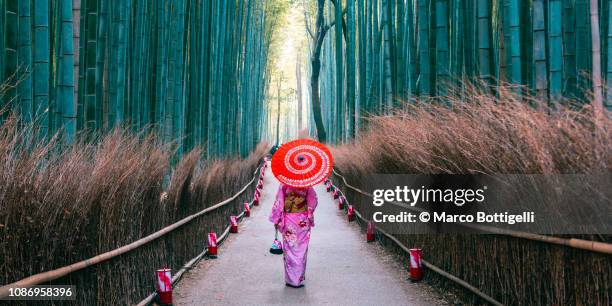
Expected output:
(293, 215)
(298, 165)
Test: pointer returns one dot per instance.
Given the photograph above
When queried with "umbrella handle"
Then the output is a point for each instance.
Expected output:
(275, 234)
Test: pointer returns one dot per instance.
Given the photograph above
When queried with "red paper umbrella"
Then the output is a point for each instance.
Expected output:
(302, 163)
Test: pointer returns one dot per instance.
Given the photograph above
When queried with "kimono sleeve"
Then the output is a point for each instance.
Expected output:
(312, 201)
(277, 209)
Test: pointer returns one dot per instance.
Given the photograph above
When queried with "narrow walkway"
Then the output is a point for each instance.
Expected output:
(342, 268)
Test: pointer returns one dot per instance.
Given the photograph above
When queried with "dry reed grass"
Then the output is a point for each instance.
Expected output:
(483, 133)
(62, 205)
(492, 134)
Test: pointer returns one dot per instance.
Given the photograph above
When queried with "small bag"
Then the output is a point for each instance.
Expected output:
(277, 246)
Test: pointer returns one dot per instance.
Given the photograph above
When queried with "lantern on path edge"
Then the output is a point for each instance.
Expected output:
(233, 224)
(247, 210)
(370, 231)
(212, 244)
(350, 213)
(416, 271)
(164, 286)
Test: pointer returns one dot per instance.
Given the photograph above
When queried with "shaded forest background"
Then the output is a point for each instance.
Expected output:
(192, 72)
(377, 55)
(226, 74)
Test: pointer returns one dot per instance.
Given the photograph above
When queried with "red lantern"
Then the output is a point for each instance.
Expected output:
(212, 244)
(341, 203)
(350, 213)
(164, 286)
(256, 199)
(370, 232)
(416, 272)
(233, 224)
(247, 210)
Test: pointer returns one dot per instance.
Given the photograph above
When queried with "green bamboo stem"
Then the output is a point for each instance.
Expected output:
(515, 44)
(351, 45)
(387, 73)
(338, 47)
(539, 50)
(555, 50)
(41, 72)
(65, 85)
(569, 49)
(11, 44)
(583, 43)
(608, 99)
(442, 47)
(484, 40)
(25, 61)
(423, 48)
(360, 103)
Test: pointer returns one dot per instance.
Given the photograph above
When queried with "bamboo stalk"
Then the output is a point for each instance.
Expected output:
(351, 45)
(65, 83)
(608, 100)
(40, 77)
(423, 48)
(362, 70)
(386, 41)
(484, 43)
(338, 47)
(596, 61)
(11, 26)
(25, 61)
(89, 105)
(555, 50)
(583, 46)
(2, 48)
(76, 39)
(442, 47)
(515, 44)
(569, 49)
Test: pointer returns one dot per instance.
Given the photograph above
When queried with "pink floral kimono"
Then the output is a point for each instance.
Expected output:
(293, 213)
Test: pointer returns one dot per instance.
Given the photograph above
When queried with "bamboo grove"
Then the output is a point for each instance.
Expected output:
(191, 71)
(389, 51)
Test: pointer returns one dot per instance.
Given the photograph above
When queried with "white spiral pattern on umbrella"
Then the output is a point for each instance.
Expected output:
(307, 160)
(293, 164)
